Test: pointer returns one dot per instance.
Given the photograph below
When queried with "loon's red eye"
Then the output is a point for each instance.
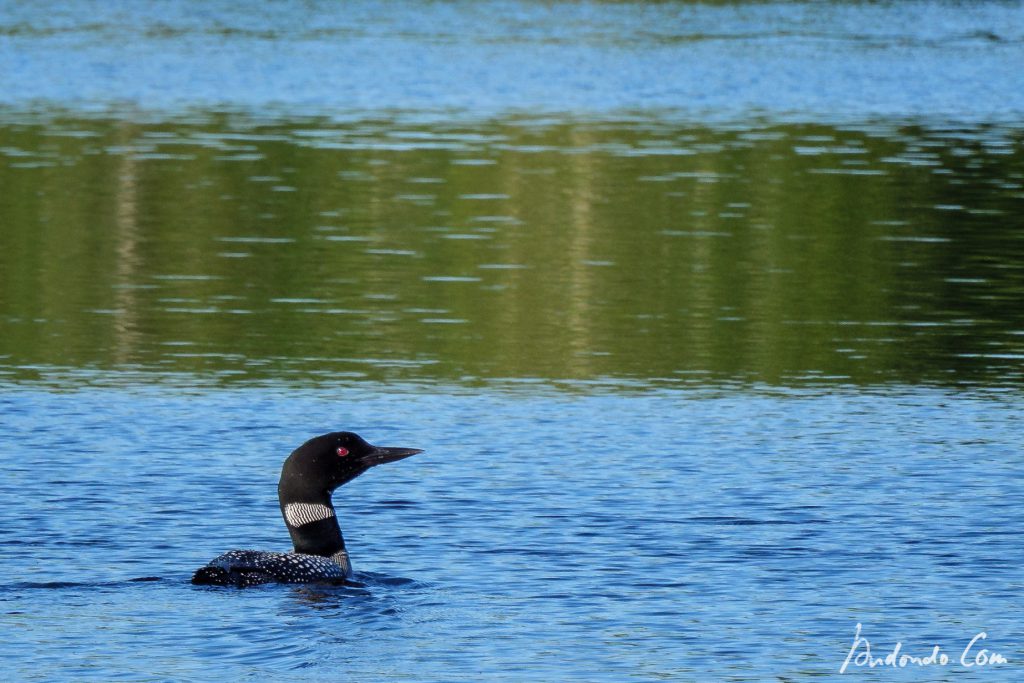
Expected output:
(342, 451)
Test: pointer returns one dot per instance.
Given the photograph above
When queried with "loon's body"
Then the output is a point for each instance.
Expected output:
(251, 567)
(309, 476)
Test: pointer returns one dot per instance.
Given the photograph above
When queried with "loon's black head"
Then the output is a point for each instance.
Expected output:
(325, 462)
(310, 475)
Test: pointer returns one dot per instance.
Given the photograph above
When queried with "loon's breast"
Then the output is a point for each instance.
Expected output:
(251, 567)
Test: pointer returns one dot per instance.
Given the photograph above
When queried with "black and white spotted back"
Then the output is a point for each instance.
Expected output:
(252, 567)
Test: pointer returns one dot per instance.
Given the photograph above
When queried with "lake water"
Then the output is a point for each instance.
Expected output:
(708, 316)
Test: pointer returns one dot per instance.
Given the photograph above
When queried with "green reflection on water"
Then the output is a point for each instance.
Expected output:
(387, 249)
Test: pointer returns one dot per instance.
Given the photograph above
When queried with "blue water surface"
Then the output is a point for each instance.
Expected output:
(830, 61)
(560, 534)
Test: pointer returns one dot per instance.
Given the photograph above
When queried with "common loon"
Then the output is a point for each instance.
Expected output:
(308, 478)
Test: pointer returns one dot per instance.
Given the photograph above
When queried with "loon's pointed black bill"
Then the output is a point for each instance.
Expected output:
(382, 454)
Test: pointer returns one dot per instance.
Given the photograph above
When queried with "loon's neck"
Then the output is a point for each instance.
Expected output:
(313, 524)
